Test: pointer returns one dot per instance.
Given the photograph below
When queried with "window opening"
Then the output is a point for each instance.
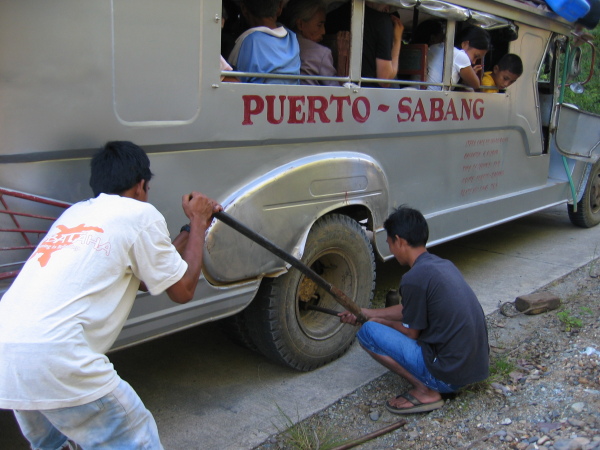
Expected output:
(410, 65)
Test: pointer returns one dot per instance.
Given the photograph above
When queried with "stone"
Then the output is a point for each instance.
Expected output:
(562, 444)
(576, 422)
(543, 440)
(537, 303)
(505, 421)
(547, 427)
(578, 407)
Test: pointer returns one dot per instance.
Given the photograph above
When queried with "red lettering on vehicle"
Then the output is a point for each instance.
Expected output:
(259, 106)
(271, 109)
(451, 110)
(339, 117)
(420, 109)
(296, 103)
(321, 110)
(403, 108)
(356, 112)
(300, 109)
(437, 109)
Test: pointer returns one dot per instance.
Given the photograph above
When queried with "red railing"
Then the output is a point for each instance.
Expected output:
(24, 232)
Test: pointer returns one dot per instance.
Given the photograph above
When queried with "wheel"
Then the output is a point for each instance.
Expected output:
(235, 328)
(279, 323)
(588, 208)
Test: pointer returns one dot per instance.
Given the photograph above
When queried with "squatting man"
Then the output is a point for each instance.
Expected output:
(436, 338)
(70, 301)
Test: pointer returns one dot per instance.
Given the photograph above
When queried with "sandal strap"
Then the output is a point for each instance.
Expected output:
(411, 398)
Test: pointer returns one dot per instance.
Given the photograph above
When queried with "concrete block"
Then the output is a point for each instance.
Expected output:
(537, 303)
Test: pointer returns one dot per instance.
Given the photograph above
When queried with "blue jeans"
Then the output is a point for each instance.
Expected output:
(119, 420)
(383, 340)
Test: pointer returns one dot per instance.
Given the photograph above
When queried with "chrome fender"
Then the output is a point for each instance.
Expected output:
(283, 204)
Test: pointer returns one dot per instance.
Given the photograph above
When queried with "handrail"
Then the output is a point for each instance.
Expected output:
(18, 228)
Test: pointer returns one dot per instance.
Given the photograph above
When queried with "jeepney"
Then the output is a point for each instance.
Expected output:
(315, 169)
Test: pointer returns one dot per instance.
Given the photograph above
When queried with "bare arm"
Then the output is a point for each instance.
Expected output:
(199, 209)
(469, 76)
(389, 69)
(390, 316)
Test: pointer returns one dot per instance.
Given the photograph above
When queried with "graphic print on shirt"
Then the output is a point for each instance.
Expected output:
(81, 234)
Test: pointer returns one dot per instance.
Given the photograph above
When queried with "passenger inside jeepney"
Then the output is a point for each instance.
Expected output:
(223, 64)
(382, 39)
(307, 19)
(504, 74)
(267, 46)
(430, 32)
(467, 67)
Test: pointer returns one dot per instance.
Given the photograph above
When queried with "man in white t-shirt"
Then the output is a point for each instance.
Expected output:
(70, 301)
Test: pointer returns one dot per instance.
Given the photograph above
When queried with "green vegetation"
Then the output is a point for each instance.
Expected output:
(500, 369)
(590, 99)
(568, 320)
(303, 436)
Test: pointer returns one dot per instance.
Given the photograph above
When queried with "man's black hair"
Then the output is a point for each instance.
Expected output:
(512, 63)
(262, 8)
(117, 167)
(409, 224)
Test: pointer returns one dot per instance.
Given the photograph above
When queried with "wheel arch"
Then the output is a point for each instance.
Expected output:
(283, 205)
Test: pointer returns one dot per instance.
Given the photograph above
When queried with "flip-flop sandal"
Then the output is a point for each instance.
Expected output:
(418, 405)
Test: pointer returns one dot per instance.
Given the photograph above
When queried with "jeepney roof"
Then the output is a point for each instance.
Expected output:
(487, 14)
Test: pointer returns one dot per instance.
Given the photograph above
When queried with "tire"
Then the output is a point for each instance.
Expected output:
(235, 328)
(588, 208)
(338, 249)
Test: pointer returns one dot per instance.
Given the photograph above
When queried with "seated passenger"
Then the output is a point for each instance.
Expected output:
(505, 73)
(382, 38)
(474, 44)
(307, 19)
(223, 64)
(428, 32)
(267, 47)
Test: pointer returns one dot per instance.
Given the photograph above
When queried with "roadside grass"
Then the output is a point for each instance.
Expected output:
(304, 436)
(569, 321)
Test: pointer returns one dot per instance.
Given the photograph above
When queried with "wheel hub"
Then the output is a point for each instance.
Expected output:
(337, 270)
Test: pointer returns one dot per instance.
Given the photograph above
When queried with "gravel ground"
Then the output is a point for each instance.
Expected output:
(544, 392)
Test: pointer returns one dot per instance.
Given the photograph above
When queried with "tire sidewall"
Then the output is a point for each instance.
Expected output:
(343, 237)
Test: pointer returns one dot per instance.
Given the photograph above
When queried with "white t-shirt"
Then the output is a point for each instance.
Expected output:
(72, 297)
(435, 65)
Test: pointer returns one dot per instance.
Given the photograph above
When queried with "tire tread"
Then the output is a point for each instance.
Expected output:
(262, 318)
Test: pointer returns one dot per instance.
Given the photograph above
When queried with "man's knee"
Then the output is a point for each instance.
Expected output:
(366, 334)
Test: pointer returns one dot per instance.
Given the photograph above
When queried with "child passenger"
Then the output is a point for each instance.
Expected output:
(307, 19)
(267, 47)
(466, 60)
(505, 73)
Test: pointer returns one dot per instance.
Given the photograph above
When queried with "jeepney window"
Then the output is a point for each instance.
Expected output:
(454, 19)
(408, 65)
(288, 50)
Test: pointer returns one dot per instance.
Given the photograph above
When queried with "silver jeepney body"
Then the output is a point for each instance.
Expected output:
(75, 74)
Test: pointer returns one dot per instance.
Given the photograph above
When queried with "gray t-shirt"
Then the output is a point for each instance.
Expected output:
(438, 301)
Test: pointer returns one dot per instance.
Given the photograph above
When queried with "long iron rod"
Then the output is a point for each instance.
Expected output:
(372, 435)
(336, 293)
